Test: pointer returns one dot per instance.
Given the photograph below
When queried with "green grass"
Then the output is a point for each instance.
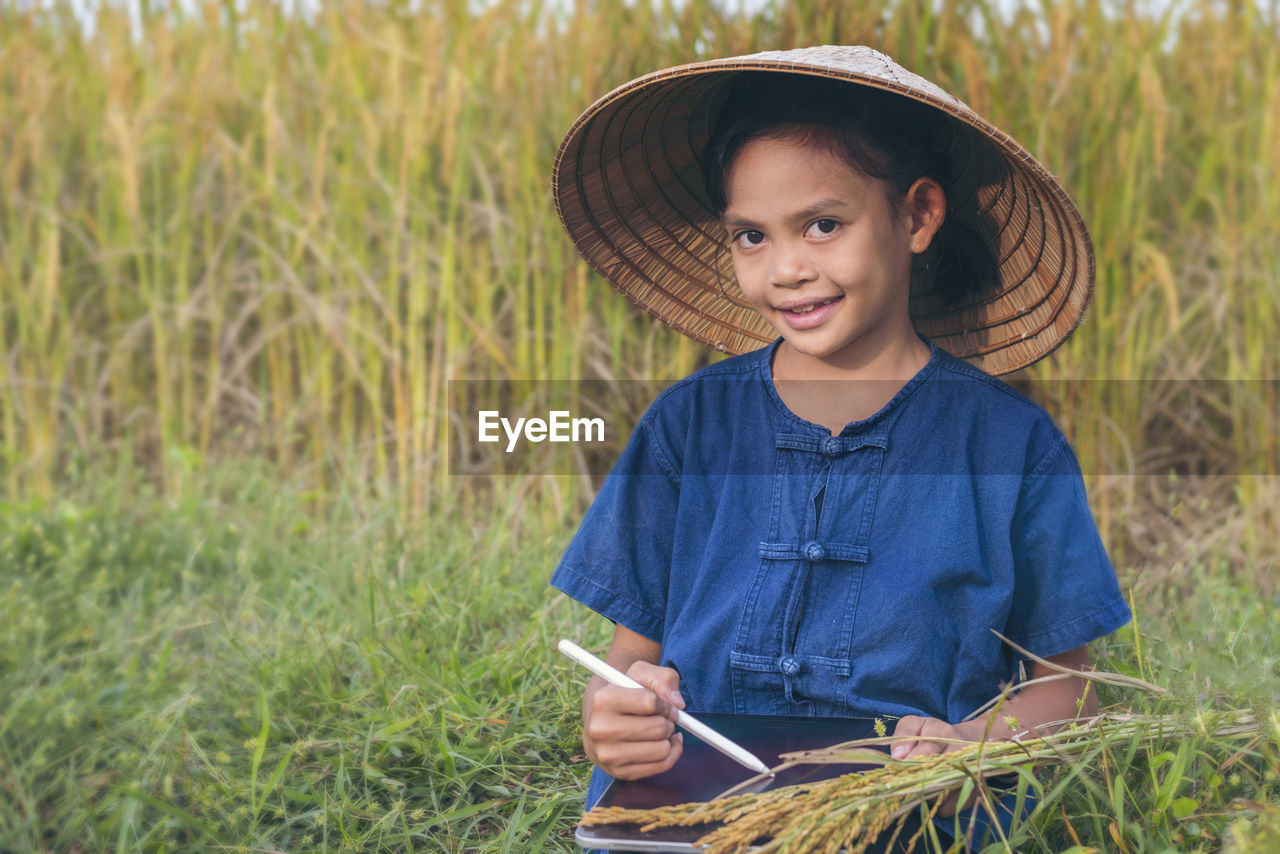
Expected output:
(239, 666)
(234, 670)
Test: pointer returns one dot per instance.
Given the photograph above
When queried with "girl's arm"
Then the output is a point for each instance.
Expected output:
(629, 732)
(1036, 708)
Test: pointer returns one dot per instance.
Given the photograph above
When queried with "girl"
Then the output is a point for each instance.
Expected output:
(832, 523)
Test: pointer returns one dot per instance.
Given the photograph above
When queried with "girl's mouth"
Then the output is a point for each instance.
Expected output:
(811, 314)
(813, 307)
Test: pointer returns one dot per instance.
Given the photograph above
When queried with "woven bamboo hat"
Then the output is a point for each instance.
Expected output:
(629, 190)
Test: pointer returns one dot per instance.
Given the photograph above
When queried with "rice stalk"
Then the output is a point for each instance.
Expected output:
(851, 810)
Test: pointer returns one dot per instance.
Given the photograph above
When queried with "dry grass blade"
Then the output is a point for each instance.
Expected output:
(1118, 679)
(1098, 676)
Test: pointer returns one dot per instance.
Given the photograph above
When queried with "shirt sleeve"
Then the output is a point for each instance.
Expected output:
(618, 562)
(1065, 590)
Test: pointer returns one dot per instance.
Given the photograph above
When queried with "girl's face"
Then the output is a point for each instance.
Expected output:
(823, 252)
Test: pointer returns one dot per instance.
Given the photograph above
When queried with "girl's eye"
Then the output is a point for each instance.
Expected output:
(749, 238)
(823, 227)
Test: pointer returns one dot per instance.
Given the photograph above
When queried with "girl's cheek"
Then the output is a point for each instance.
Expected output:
(752, 261)
(742, 268)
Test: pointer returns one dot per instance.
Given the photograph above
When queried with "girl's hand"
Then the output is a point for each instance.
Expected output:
(911, 726)
(629, 732)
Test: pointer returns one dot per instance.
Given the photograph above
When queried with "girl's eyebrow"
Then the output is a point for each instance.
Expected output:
(823, 205)
(732, 221)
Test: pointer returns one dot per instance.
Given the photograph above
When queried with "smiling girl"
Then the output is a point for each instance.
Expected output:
(833, 523)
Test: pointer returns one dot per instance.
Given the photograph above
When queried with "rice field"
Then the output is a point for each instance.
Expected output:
(249, 233)
(256, 266)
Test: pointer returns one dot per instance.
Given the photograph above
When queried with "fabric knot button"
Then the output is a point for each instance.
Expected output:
(831, 446)
(789, 665)
(815, 551)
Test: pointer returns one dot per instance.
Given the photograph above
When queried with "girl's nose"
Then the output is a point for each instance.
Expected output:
(791, 267)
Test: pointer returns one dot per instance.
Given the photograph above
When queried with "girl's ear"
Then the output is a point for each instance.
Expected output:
(926, 207)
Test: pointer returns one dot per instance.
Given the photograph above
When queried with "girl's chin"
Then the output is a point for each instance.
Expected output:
(826, 349)
(805, 347)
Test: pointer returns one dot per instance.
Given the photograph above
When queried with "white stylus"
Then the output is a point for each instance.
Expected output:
(734, 751)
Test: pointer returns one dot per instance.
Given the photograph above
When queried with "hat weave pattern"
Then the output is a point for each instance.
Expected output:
(629, 190)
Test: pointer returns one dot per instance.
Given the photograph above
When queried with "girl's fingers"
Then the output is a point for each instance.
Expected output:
(631, 701)
(915, 725)
(636, 770)
(628, 715)
(636, 753)
(906, 727)
(663, 681)
(628, 729)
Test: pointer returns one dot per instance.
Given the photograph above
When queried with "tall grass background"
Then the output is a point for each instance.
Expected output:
(242, 231)
(244, 254)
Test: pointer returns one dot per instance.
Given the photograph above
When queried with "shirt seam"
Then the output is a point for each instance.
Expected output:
(956, 366)
(1051, 456)
(659, 457)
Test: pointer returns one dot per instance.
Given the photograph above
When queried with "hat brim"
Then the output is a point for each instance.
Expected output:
(629, 190)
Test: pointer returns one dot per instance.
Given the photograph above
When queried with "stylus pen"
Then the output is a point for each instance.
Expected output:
(686, 721)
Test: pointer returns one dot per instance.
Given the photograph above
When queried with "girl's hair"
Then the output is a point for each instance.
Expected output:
(878, 134)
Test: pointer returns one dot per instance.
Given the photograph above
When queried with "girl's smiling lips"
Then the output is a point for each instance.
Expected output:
(808, 313)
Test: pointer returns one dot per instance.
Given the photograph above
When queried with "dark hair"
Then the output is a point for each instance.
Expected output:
(878, 134)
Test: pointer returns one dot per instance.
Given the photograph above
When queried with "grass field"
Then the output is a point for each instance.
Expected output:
(232, 670)
(245, 606)
(218, 671)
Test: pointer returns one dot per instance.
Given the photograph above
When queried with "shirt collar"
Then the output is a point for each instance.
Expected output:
(854, 427)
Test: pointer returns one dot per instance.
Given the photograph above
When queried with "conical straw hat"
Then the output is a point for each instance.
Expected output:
(629, 190)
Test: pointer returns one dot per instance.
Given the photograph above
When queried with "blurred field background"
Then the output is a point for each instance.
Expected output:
(243, 253)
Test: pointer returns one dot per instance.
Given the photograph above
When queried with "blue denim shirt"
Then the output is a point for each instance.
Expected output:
(788, 571)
